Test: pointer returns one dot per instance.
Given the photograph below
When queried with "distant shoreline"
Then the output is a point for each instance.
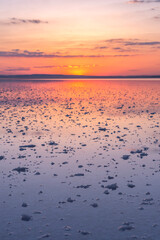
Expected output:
(49, 77)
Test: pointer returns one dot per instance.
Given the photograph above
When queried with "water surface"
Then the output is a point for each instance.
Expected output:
(81, 159)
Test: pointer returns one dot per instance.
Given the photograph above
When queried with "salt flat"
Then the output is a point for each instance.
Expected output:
(80, 160)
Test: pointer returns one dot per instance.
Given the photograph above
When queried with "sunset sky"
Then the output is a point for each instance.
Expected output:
(90, 37)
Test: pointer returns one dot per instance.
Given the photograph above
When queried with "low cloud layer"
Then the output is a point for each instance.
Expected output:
(38, 54)
(157, 17)
(41, 67)
(17, 69)
(67, 66)
(142, 43)
(16, 21)
(144, 1)
(132, 42)
(127, 45)
(130, 47)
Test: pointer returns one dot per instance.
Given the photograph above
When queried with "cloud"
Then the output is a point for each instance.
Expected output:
(157, 17)
(67, 66)
(116, 40)
(153, 43)
(15, 21)
(144, 1)
(17, 69)
(130, 42)
(38, 54)
(53, 66)
(122, 49)
(126, 46)
(101, 47)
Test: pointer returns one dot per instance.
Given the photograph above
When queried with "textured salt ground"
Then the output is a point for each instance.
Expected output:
(81, 167)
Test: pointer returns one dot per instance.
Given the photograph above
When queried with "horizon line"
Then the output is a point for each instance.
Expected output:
(63, 76)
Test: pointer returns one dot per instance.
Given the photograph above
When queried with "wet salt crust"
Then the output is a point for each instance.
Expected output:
(80, 160)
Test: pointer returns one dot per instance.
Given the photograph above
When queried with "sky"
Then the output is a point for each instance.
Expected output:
(80, 37)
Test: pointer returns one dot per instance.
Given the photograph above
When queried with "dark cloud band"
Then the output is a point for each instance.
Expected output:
(28, 54)
(144, 1)
(16, 21)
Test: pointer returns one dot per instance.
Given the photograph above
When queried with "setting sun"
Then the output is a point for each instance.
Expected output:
(77, 71)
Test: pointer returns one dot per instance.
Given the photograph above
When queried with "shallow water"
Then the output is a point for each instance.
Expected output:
(62, 146)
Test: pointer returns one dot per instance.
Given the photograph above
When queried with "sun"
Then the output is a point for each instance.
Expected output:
(77, 71)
